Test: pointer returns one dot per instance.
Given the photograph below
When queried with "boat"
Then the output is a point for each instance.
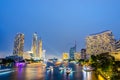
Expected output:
(20, 63)
(88, 68)
(68, 70)
(61, 68)
(49, 68)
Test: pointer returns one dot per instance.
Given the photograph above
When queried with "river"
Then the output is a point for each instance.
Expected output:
(36, 72)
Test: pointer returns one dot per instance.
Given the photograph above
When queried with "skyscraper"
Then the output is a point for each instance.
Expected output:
(34, 45)
(40, 51)
(72, 51)
(18, 45)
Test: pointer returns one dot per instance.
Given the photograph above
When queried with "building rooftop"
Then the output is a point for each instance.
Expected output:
(100, 32)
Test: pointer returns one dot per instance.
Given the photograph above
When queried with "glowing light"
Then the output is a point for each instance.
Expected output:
(20, 64)
(5, 71)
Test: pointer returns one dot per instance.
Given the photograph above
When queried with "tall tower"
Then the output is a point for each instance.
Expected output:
(18, 45)
(34, 44)
(40, 51)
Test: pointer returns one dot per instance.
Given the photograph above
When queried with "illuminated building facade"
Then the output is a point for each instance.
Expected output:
(34, 45)
(77, 55)
(40, 51)
(65, 56)
(27, 55)
(100, 43)
(18, 45)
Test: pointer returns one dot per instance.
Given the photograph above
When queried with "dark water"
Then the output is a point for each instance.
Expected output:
(36, 72)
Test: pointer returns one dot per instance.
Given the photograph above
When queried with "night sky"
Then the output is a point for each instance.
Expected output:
(58, 22)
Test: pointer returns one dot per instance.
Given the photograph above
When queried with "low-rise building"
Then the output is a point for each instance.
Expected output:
(65, 56)
(27, 55)
(77, 55)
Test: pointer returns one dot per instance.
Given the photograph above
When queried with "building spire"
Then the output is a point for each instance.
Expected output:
(75, 45)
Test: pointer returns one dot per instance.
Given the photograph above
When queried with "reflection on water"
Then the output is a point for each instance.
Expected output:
(36, 72)
(29, 73)
(87, 75)
(49, 75)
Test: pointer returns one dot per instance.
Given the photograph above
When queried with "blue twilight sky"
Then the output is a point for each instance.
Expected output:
(58, 22)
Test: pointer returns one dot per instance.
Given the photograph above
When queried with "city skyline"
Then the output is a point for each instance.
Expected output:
(58, 23)
(50, 55)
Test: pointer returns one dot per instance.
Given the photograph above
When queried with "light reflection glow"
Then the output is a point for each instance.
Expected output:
(3, 73)
(86, 75)
(19, 64)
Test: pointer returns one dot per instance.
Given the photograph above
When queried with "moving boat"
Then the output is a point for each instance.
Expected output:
(61, 68)
(21, 63)
(68, 70)
(88, 68)
(49, 68)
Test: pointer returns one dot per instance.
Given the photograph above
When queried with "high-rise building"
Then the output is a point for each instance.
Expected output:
(18, 45)
(100, 43)
(83, 53)
(44, 55)
(72, 51)
(65, 56)
(40, 51)
(34, 45)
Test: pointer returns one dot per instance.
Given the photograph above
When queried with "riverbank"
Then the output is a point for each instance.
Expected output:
(100, 77)
(103, 75)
